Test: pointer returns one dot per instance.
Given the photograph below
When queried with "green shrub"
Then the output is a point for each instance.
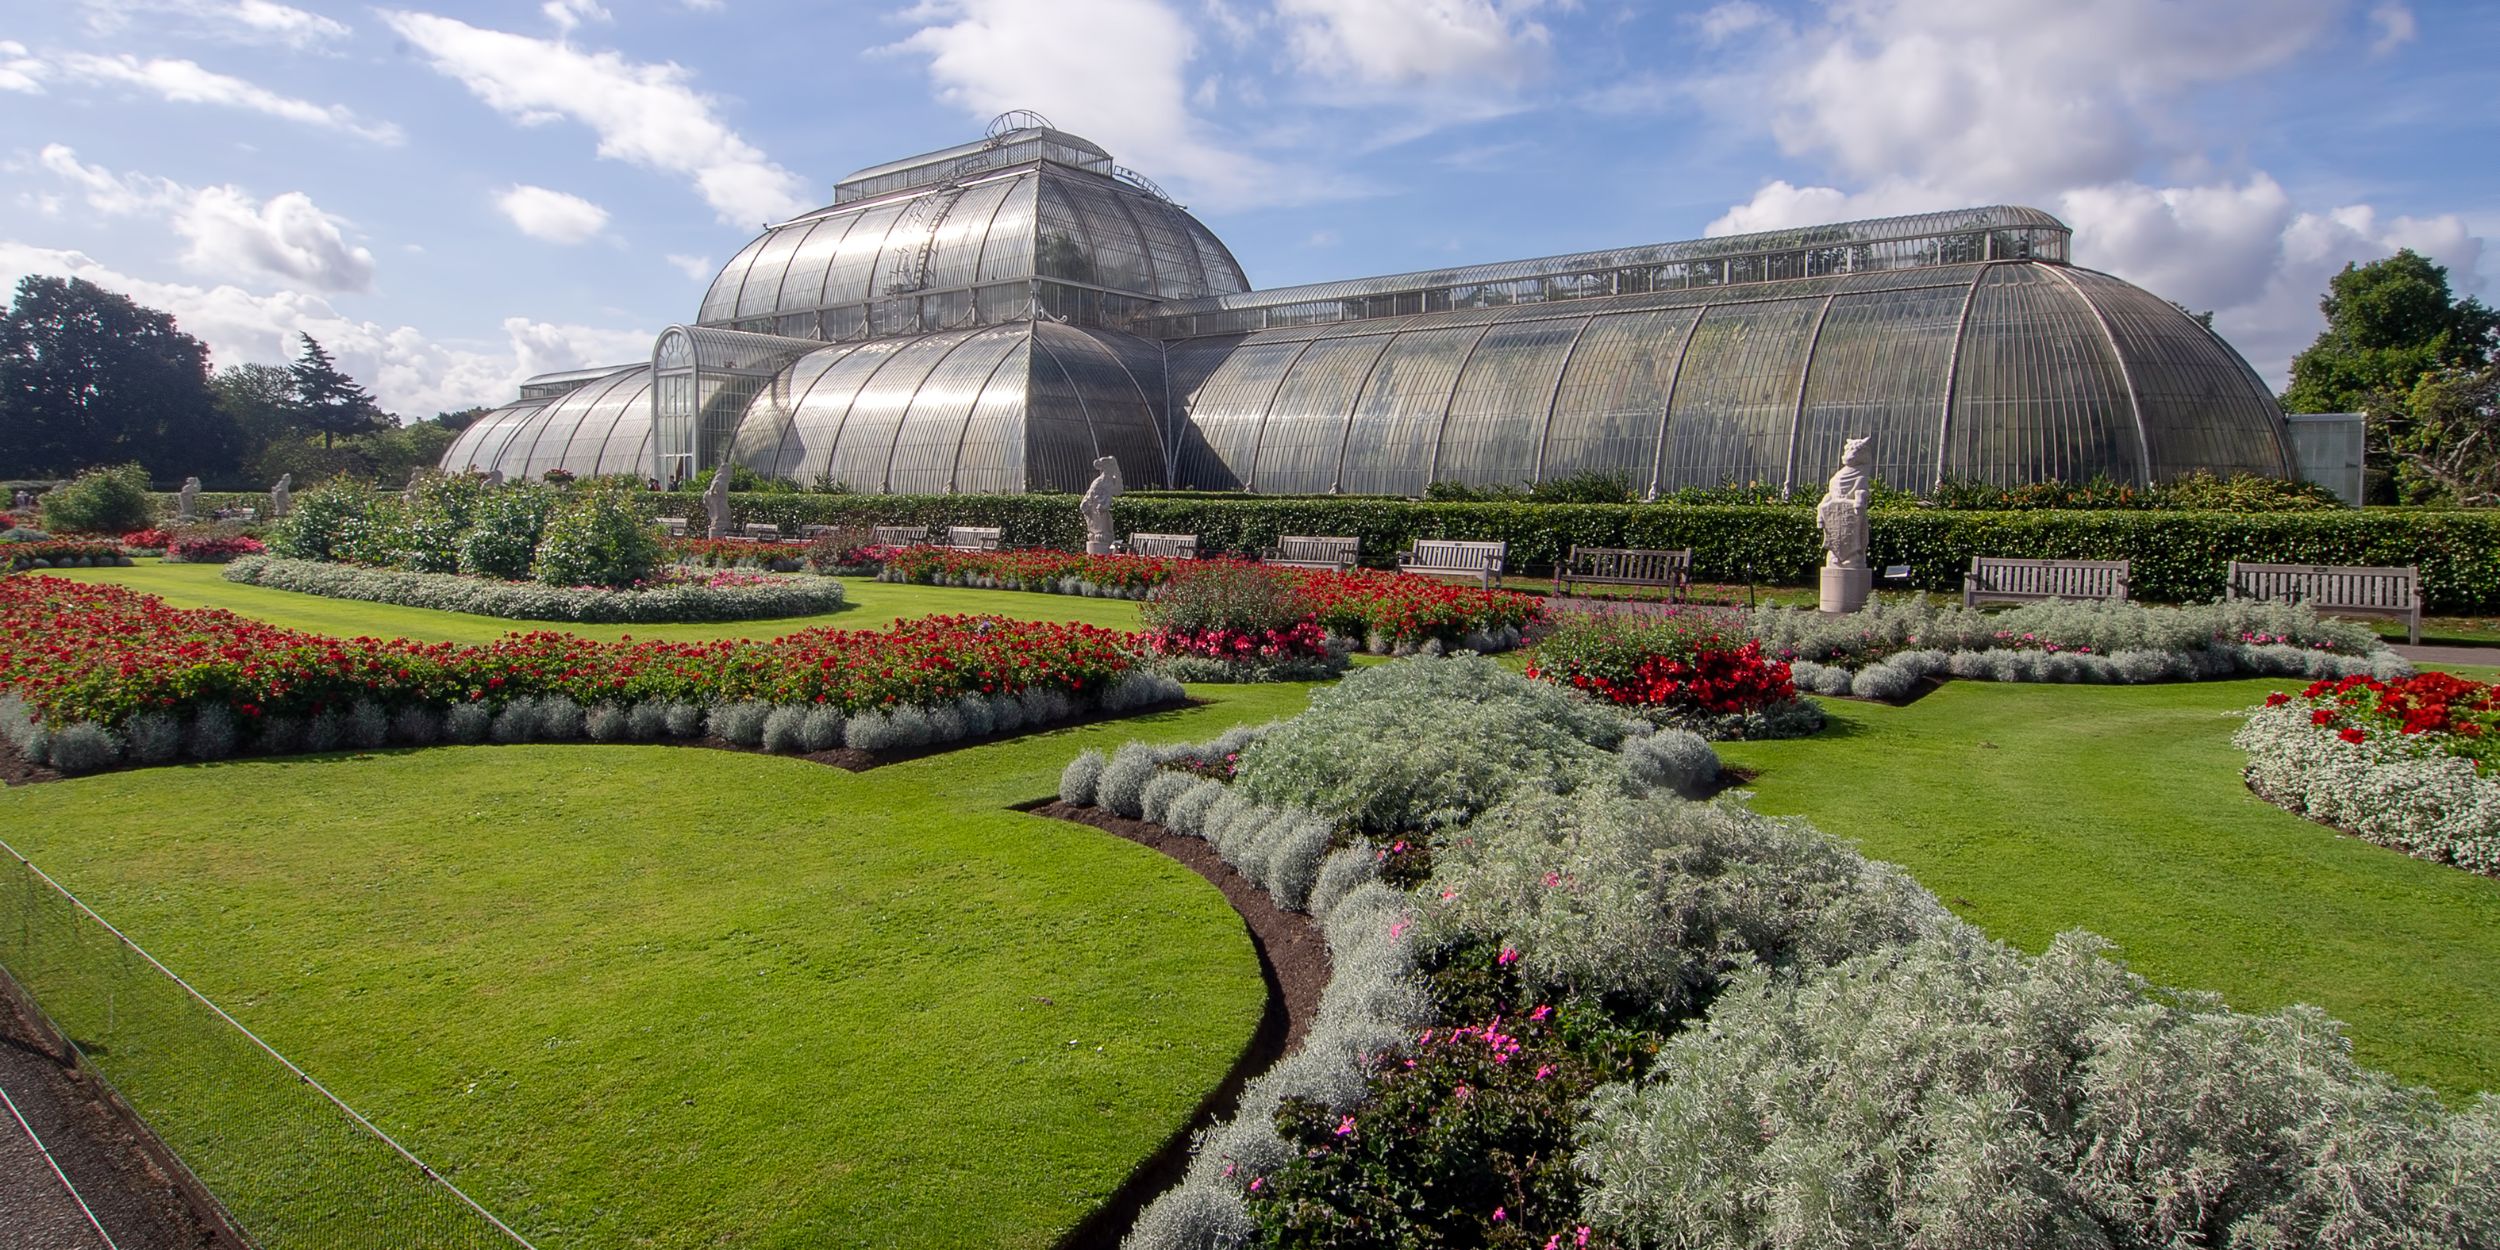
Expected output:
(323, 522)
(440, 511)
(596, 537)
(503, 542)
(1242, 598)
(105, 500)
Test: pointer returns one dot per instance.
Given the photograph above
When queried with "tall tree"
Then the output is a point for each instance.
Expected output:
(2450, 437)
(89, 377)
(328, 402)
(2388, 323)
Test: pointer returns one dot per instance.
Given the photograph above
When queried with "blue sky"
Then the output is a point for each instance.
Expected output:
(454, 195)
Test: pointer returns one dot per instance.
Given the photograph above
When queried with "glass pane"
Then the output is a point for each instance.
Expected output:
(720, 303)
(923, 461)
(2037, 393)
(1396, 423)
(762, 294)
(1736, 402)
(1880, 366)
(1613, 402)
(1498, 414)
(865, 441)
(991, 458)
(847, 279)
(1303, 440)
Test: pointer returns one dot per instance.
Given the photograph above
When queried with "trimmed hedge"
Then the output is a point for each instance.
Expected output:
(2179, 557)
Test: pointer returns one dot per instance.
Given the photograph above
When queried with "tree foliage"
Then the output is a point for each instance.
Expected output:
(328, 402)
(2393, 328)
(87, 376)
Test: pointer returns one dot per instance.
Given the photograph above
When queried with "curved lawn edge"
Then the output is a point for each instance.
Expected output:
(1294, 963)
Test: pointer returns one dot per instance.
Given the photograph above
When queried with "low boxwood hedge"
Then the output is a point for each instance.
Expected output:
(2178, 556)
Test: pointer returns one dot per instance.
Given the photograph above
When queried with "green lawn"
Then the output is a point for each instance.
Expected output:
(2033, 809)
(871, 604)
(653, 996)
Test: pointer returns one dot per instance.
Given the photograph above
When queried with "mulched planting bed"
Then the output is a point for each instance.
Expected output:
(1293, 957)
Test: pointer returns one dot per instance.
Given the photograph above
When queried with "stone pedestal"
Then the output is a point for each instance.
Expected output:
(1845, 590)
(1098, 546)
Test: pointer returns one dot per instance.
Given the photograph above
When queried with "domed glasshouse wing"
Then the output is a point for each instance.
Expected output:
(993, 317)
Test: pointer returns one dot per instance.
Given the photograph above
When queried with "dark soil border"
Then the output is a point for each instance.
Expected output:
(138, 1188)
(17, 770)
(1293, 960)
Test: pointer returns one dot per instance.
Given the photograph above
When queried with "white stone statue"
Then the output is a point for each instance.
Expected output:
(1096, 506)
(494, 477)
(716, 502)
(282, 496)
(187, 501)
(1842, 518)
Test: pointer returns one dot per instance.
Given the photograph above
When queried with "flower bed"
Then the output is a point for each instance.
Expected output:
(736, 553)
(1567, 1008)
(146, 542)
(1884, 651)
(1677, 667)
(1227, 621)
(62, 553)
(1387, 613)
(211, 548)
(678, 596)
(101, 669)
(2413, 765)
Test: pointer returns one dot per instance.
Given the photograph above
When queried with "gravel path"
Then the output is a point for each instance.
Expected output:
(137, 1201)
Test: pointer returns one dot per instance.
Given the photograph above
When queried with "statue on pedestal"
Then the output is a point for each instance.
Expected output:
(187, 501)
(282, 496)
(716, 502)
(1842, 518)
(1096, 506)
(494, 477)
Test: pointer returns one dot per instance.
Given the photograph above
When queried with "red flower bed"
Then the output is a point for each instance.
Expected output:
(103, 653)
(2456, 716)
(148, 539)
(1292, 642)
(1678, 662)
(212, 549)
(1357, 604)
(725, 552)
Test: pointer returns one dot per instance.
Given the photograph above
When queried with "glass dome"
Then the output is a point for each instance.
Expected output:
(599, 427)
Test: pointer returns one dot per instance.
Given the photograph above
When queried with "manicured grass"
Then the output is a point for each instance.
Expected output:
(653, 996)
(871, 604)
(2034, 809)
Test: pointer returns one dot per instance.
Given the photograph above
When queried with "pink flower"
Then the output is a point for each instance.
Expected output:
(1257, 1183)
(1507, 957)
(1544, 1071)
(1540, 1013)
(1497, 1215)
(1552, 879)
(1581, 1238)
(1345, 1127)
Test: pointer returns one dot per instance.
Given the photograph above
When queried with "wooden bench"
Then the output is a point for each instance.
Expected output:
(763, 531)
(899, 535)
(1167, 546)
(1302, 551)
(1445, 557)
(1995, 580)
(2339, 590)
(974, 537)
(673, 526)
(1625, 566)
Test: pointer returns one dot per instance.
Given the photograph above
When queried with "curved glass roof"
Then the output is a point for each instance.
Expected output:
(1001, 408)
(2006, 371)
(599, 427)
(965, 253)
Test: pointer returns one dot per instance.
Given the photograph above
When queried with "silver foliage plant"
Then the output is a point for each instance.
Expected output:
(1659, 902)
(803, 595)
(1426, 743)
(1883, 652)
(1953, 1091)
(2395, 791)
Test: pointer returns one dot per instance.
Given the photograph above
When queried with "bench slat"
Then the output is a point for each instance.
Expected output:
(2393, 591)
(1994, 579)
(1449, 557)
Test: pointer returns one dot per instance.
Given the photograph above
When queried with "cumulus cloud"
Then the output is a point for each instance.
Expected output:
(1916, 105)
(1112, 70)
(230, 233)
(552, 215)
(2395, 26)
(409, 372)
(187, 82)
(644, 114)
(699, 268)
(241, 21)
(1405, 43)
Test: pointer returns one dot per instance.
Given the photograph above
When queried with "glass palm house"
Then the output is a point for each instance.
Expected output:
(994, 316)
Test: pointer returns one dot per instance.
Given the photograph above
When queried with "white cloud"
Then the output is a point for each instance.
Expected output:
(288, 237)
(1112, 70)
(699, 268)
(242, 21)
(552, 215)
(1724, 21)
(409, 372)
(704, 6)
(186, 82)
(2395, 24)
(567, 14)
(1405, 43)
(644, 114)
(2086, 111)
(19, 71)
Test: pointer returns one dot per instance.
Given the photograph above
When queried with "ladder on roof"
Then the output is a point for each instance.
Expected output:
(922, 217)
